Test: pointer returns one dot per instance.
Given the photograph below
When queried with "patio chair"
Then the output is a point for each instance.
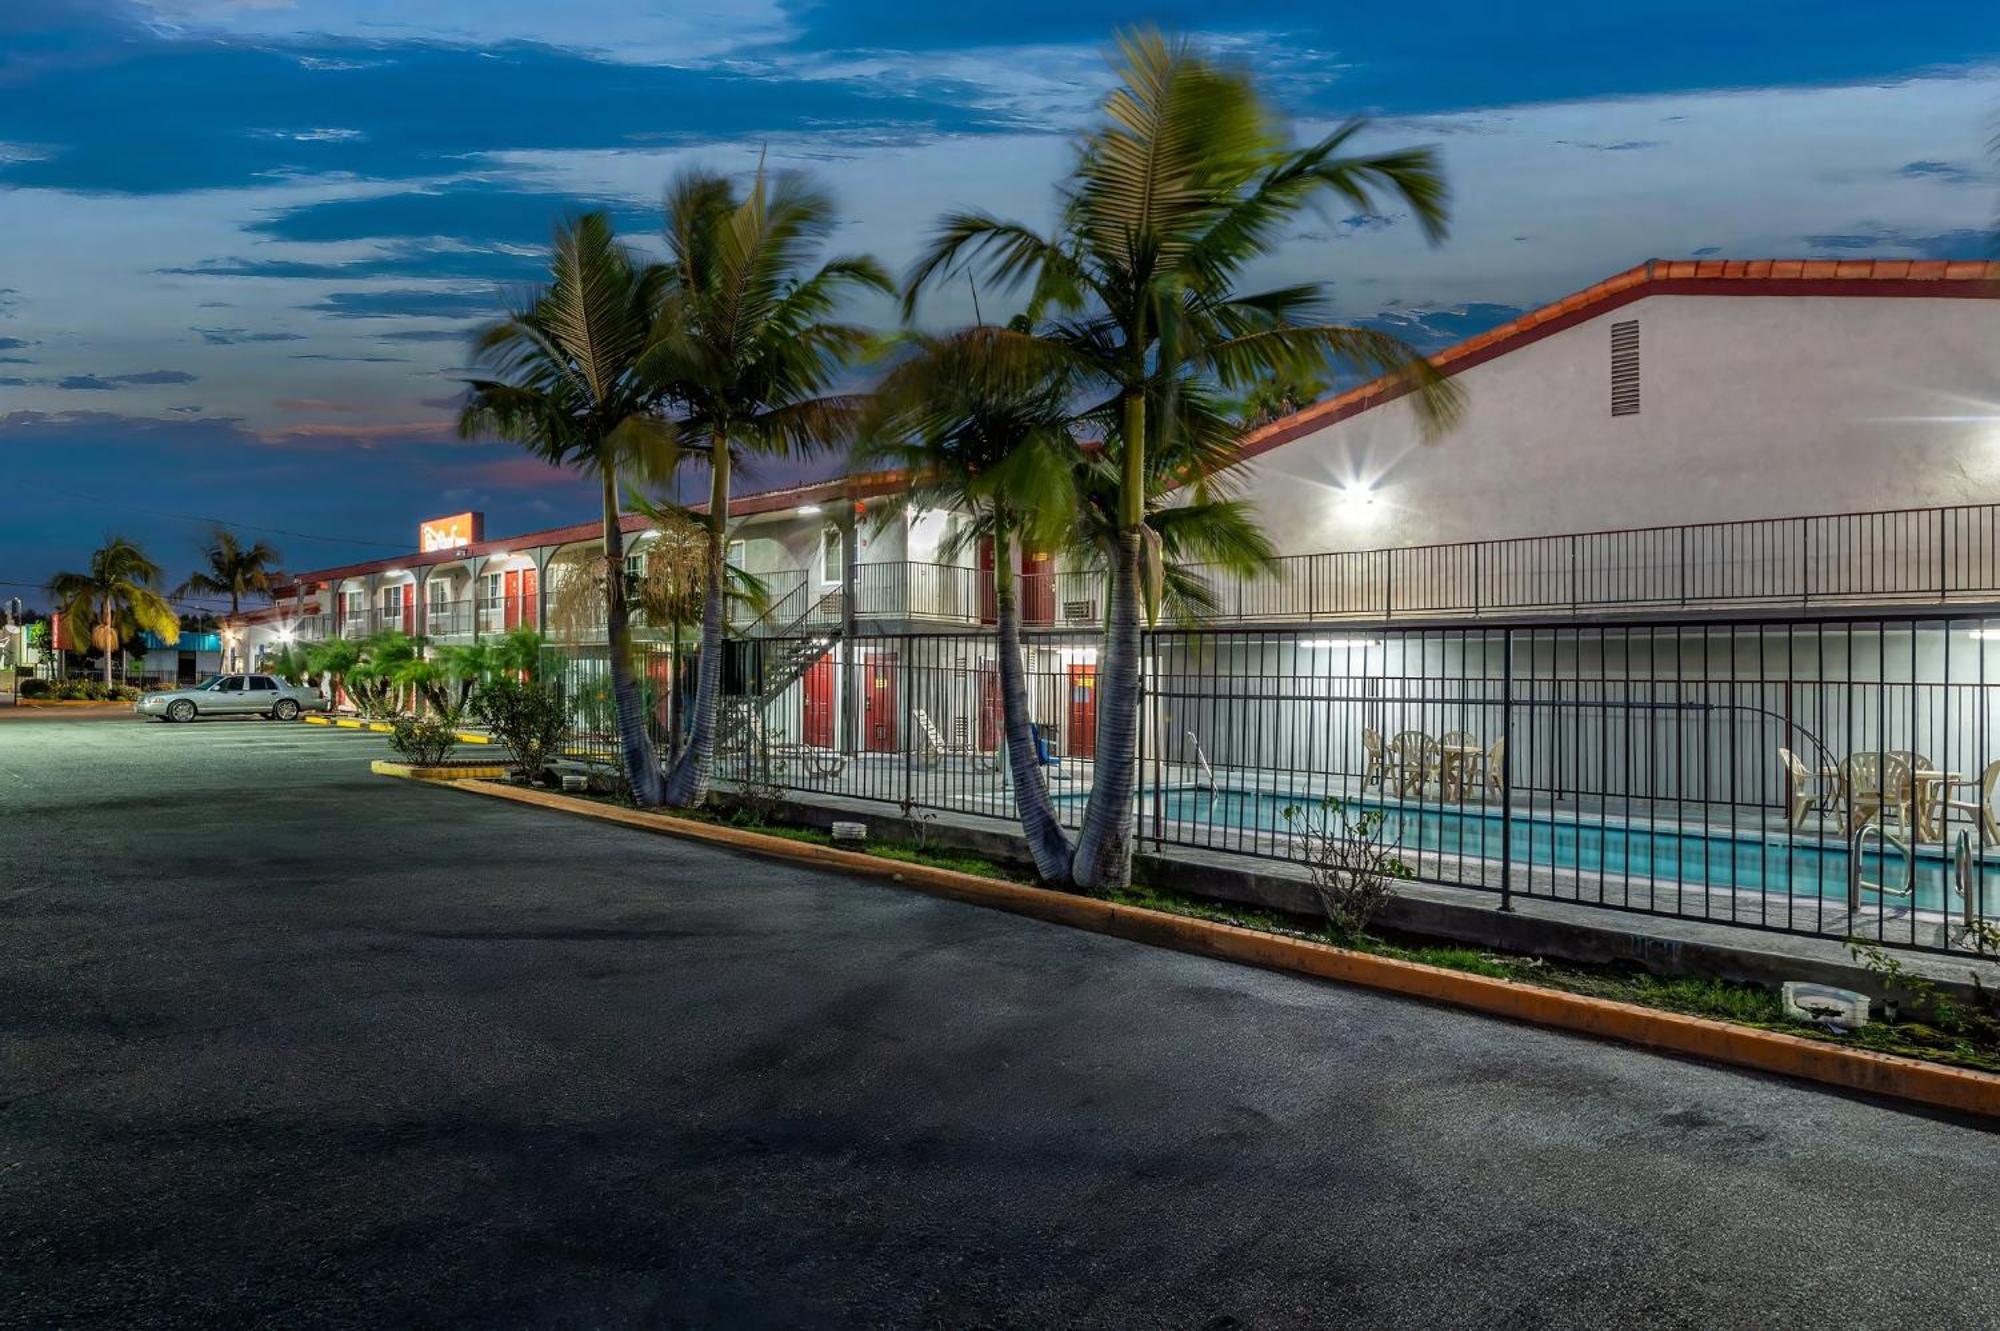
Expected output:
(783, 752)
(1375, 758)
(1986, 781)
(1800, 798)
(1496, 766)
(1417, 760)
(934, 748)
(1877, 789)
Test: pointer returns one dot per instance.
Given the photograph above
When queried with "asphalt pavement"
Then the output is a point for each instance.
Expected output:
(284, 1043)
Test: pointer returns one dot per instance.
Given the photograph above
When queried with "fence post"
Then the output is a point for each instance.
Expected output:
(1573, 588)
(1507, 770)
(909, 687)
(1944, 574)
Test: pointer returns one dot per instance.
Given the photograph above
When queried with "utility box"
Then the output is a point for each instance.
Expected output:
(850, 831)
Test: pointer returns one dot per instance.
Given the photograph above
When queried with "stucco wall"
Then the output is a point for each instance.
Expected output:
(1752, 406)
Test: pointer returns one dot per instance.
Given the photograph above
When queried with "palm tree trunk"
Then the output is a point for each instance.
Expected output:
(642, 769)
(687, 785)
(1103, 857)
(108, 651)
(1104, 847)
(1047, 841)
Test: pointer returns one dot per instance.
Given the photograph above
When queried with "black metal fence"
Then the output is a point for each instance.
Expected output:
(1827, 776)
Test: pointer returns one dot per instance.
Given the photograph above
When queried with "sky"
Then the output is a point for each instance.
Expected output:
(245, 240)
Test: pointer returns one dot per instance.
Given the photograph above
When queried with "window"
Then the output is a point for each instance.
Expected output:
(392, 602)
(831, 557)
(231, 684)
(263, 683)
(1625, 368)
(737, 553)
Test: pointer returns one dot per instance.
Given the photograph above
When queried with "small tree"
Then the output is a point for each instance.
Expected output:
(529, 717)
(1353, 873)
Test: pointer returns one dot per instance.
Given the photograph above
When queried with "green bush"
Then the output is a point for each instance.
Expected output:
(78, 690)
(424, 740)
(531, 719)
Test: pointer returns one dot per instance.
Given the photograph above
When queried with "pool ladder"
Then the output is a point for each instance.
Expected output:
(1207, 772)
(1856, 884)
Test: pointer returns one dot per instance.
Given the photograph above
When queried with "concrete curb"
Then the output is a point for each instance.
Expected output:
(1898, 1078)
(467, 772)
(385, 728)
(73, 702)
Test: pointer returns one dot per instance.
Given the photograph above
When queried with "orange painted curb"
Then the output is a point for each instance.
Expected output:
(1888, 1075)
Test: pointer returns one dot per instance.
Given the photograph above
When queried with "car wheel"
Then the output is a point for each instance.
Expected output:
(286, 710)
(180, 710)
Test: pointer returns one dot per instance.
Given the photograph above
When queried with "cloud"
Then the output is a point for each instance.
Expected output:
(1950, 173)
(411, 303)
(1903, 242)
(1622, 146)
(111, 382)
(14, 343)
(230, 337)
(351, 360)
(425, 335)
(1432, 330)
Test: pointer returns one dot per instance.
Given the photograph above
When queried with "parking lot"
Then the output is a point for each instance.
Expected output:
(282, 1042)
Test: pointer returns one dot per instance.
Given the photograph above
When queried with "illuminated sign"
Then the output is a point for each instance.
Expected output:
(452, 532)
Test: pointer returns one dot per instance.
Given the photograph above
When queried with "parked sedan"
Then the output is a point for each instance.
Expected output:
(233, 695)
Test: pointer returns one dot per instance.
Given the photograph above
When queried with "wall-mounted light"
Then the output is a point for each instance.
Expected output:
(1357, 498)
(806, 510)
(285, 634)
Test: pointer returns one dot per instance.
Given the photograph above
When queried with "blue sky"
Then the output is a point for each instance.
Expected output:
(246, 238)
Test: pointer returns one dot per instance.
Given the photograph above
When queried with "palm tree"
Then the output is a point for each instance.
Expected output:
(746, 353)
(330, 661)
(1186, 183)
(1194, 527)
(116, 595)
(566, 387)
(233, 569)
(980, 421)
(672, 587)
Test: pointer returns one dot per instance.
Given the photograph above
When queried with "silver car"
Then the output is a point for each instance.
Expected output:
(233, 695)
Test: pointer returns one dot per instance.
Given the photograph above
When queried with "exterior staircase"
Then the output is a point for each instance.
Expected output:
(789, 647)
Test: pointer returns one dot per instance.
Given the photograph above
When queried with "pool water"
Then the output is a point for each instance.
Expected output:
(1611, 852)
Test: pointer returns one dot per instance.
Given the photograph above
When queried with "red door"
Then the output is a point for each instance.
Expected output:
(818, 728)
(409, 607)
(510, 594)
(989, 710)
(989, 605)
(530, 589)
(1038, 589)
(1082, 737)
(878, 703)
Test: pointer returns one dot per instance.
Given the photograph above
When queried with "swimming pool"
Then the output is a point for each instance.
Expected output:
(1611, 852)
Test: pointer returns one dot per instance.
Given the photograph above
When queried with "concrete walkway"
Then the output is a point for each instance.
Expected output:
(284, 1042)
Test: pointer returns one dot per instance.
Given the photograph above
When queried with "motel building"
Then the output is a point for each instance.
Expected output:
(1709, 539)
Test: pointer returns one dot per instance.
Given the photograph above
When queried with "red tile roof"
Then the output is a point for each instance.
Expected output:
(1658, 277)
(763, 501)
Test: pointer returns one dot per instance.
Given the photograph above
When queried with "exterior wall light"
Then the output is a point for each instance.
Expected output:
(1357, 499)
(806, 510)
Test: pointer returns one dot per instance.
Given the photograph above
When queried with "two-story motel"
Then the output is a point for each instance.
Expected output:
(1683, 434)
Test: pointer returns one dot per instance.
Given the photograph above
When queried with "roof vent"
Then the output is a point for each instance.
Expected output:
(1625, 368)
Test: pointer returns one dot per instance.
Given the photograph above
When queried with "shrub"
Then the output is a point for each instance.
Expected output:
(424, 740)
(1353, 874)
(531, 719)
(78, 690)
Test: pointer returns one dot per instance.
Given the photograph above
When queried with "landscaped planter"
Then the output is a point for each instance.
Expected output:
(463, 770)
